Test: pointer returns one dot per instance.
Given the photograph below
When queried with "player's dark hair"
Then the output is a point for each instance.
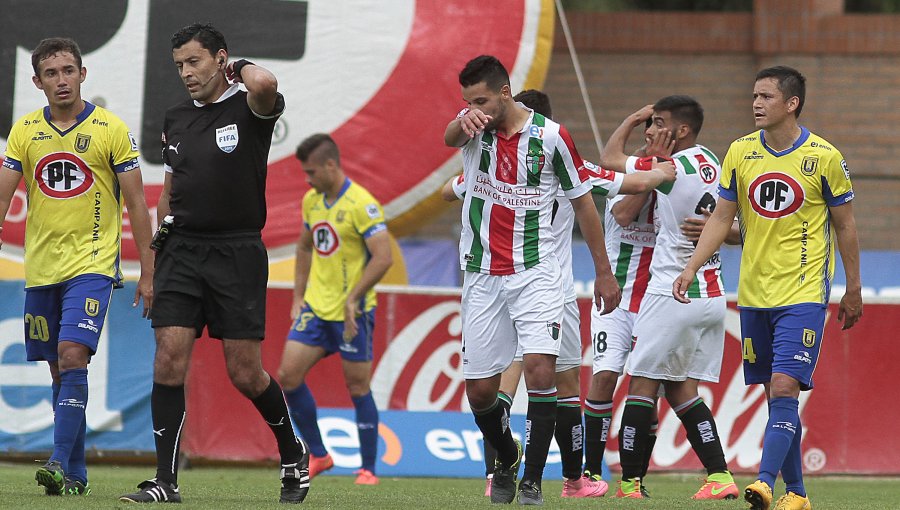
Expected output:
(485, 68)
(51, 46)
(684, 109)
(790, 83)
(536, 100)
(207, 35)
(313, 142)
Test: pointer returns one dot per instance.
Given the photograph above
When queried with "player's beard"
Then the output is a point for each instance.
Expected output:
(497, 118)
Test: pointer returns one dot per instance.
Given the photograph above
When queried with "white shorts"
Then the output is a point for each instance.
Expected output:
(676, 341)
(611, 339)
(570, 352)
(500, 313)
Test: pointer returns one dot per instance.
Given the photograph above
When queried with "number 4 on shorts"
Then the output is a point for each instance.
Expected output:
(748, 353)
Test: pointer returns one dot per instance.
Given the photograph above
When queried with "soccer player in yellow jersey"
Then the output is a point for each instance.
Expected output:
(792, 194)
(78, 161)
(343, 251)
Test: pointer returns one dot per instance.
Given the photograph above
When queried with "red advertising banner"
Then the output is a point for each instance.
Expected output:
(417, 368)
(386, 107)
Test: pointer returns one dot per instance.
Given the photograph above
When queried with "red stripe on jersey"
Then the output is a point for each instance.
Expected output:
(507, 169)
(501, 239)
(459, 180)
(598, 172)
(651, 208)
(641, 279)
(564, 135)
(712, 283)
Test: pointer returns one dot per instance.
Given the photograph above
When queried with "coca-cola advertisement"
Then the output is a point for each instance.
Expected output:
(427, 428)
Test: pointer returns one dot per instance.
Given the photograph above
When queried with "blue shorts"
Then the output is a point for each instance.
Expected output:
(74, 310)
(309, 329)
(785, 340)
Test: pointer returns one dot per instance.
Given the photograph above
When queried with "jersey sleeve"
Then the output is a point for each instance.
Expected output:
(368, 217)
(305, 208)
(14, 154)
(569, 167)
(277, 110)
(604, 182)
(836, 186)
(728, 181)
(123, 147)
(459, 186)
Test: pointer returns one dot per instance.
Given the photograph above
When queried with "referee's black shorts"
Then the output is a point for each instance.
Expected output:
(217, 281)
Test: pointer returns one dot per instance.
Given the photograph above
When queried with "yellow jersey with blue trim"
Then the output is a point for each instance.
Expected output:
(74, 221)
(782, 201)
(339, 232)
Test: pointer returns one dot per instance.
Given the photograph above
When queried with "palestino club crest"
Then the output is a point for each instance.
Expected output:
(410, 46)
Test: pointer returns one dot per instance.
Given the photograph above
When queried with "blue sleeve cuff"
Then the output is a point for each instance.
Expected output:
(840, 199)
(126, 166)
(12, 164)
(374, 229)
(727, 194)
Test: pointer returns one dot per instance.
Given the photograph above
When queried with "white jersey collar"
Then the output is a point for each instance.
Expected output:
(230, 91)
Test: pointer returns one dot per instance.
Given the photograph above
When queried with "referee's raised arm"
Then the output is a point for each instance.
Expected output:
(261, 84)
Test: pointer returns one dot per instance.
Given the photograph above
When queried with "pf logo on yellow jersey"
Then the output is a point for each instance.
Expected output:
(775, 195)
(325, 239)
(63, 175)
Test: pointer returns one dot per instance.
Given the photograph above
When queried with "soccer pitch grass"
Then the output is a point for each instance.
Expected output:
(257, 488)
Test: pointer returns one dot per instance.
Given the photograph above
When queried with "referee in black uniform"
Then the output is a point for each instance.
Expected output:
(212, 268)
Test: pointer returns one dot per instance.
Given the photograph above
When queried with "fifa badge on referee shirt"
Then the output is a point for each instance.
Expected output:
(227, 138)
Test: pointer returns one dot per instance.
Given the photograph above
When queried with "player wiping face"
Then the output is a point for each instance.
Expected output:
(486, 108)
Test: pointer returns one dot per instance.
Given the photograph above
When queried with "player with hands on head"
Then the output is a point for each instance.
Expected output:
(631, 236)
(790, 219)
(672, 346)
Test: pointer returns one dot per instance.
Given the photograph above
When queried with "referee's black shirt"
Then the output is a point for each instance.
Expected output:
(218, 155)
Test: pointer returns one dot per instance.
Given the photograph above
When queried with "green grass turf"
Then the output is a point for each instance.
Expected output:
(257, 488)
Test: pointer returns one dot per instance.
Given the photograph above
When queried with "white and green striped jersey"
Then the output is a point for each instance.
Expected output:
(630, 250)
(603, 182)
(695, 188)
(510, 188)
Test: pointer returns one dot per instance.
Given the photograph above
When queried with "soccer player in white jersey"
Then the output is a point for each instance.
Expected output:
(630, 238)
(675, 346)
(569, 430)
(514, 161)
